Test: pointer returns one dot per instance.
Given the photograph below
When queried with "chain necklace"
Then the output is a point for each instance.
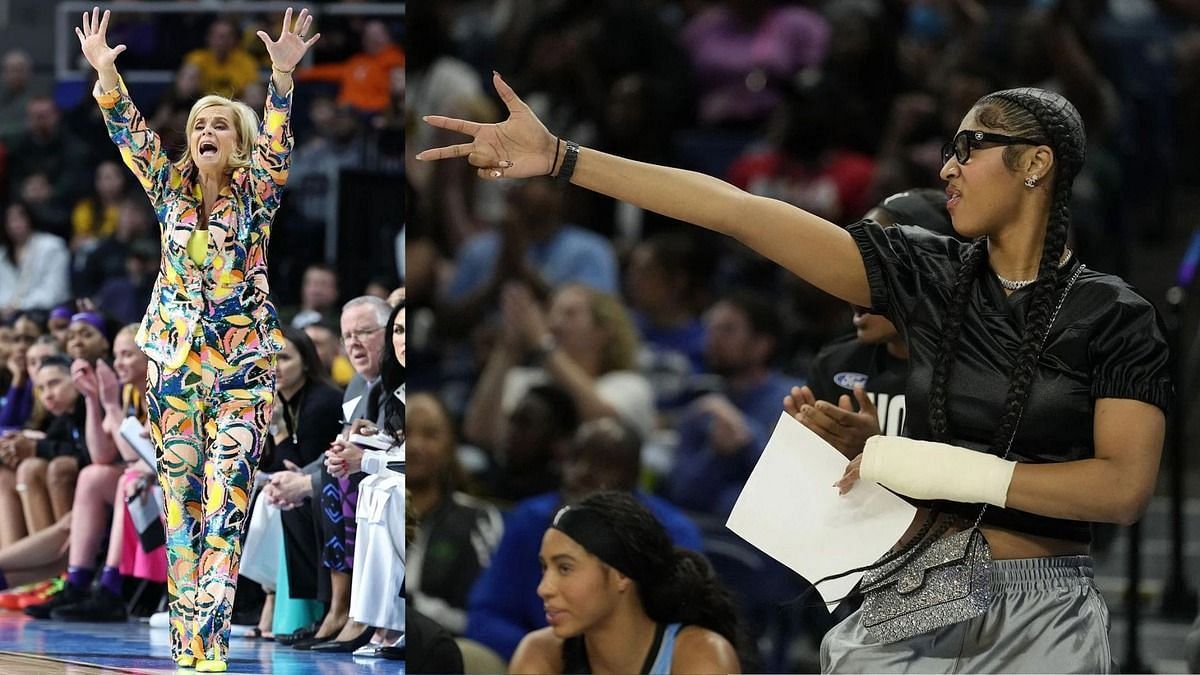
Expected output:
(1011, 285)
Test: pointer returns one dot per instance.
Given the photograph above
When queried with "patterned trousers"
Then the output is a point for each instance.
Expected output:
(208, 422)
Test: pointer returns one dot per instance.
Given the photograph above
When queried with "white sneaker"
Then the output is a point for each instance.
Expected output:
(159, 620)
(369, 650)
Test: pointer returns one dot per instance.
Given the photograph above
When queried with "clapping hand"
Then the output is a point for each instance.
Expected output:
(840, 426)
(84, 379)
(109, 387)
(291, 46)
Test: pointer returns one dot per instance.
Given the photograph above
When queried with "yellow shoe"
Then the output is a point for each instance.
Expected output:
(185, 661)
(207, 666)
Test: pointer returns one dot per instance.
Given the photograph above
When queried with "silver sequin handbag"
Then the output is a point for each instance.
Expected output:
(948, 582)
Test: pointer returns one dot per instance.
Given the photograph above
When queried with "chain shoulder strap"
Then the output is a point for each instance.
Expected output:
(1045, 336)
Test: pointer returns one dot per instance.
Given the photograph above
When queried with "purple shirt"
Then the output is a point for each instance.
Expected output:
(740, 69)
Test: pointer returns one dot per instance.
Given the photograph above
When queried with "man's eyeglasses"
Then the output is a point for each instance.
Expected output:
(359, 335)
(960, 147)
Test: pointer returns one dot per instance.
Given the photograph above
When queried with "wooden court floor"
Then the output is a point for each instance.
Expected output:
(32, 647)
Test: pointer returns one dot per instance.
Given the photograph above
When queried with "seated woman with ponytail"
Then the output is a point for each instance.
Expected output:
(621, 599)
(1036, 386)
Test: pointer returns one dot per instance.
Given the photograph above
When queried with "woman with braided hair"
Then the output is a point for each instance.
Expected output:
(620, 598)
(1037, 387)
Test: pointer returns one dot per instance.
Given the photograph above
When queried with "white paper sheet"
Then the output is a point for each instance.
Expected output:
(131, 431)
(790, 510)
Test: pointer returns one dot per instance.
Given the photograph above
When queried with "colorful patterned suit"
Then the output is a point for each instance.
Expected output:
(211, 336)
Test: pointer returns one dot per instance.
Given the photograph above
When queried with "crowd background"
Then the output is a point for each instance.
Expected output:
(538, 310)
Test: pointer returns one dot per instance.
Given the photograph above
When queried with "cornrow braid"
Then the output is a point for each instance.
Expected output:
(939, 423)
(1061, 124)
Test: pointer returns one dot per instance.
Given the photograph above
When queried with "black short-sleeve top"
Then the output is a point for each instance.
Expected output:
(1106, 342)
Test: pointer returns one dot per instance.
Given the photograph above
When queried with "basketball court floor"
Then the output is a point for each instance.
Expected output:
(32, 647)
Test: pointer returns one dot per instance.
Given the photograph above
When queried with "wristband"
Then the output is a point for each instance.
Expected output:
(570, 156)
(926, 470)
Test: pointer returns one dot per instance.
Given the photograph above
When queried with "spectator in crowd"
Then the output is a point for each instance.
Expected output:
(377, 595)
(59, 321)
(34, 265)
(225, 68)
(810, 162)
(534, 246)
(318, 296)
(48, 148)
(87, 336)
(504, 604)
(325, 338)
(322, 568)
(110, 394)
(364, 79)
(743, 54)
(95, 216)
(47, 467)
(664, 283)
(723, 432)
(7, 344)
(16, 70)
(870, 365)
(453, 206)
(20, 402)
(457, 533)
(126, 296)
(52, 212)
(434, 648)
(528, 458)
(585, 344)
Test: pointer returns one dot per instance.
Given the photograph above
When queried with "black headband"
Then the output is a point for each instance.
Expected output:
(592, 530)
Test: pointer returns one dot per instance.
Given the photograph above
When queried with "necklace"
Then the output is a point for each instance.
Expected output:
(1011, 285)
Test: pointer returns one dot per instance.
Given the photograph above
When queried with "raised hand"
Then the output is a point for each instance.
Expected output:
(109, 387)
(291, 46)
(94, 41)
(84, 378)
(518, 147)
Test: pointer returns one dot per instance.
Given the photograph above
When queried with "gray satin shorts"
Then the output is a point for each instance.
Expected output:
(1046, 616)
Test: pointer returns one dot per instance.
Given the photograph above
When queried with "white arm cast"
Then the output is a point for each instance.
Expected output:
(927, 470)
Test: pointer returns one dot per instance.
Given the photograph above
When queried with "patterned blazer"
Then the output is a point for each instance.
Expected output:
(226, 297)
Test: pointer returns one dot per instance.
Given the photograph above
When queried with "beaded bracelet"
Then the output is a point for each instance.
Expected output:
(570, 156)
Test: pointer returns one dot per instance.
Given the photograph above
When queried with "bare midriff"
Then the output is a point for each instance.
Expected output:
(1005, 544)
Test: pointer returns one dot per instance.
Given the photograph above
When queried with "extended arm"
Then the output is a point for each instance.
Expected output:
(273, 147)
(141, 148)
(811, 247)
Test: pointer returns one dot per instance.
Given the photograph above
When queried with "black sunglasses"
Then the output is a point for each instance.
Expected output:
(966, 139)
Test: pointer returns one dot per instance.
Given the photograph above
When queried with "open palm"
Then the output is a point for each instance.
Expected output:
(291, 46)
(94, 41)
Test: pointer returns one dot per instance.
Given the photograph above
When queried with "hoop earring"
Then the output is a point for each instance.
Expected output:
(1031, 182)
